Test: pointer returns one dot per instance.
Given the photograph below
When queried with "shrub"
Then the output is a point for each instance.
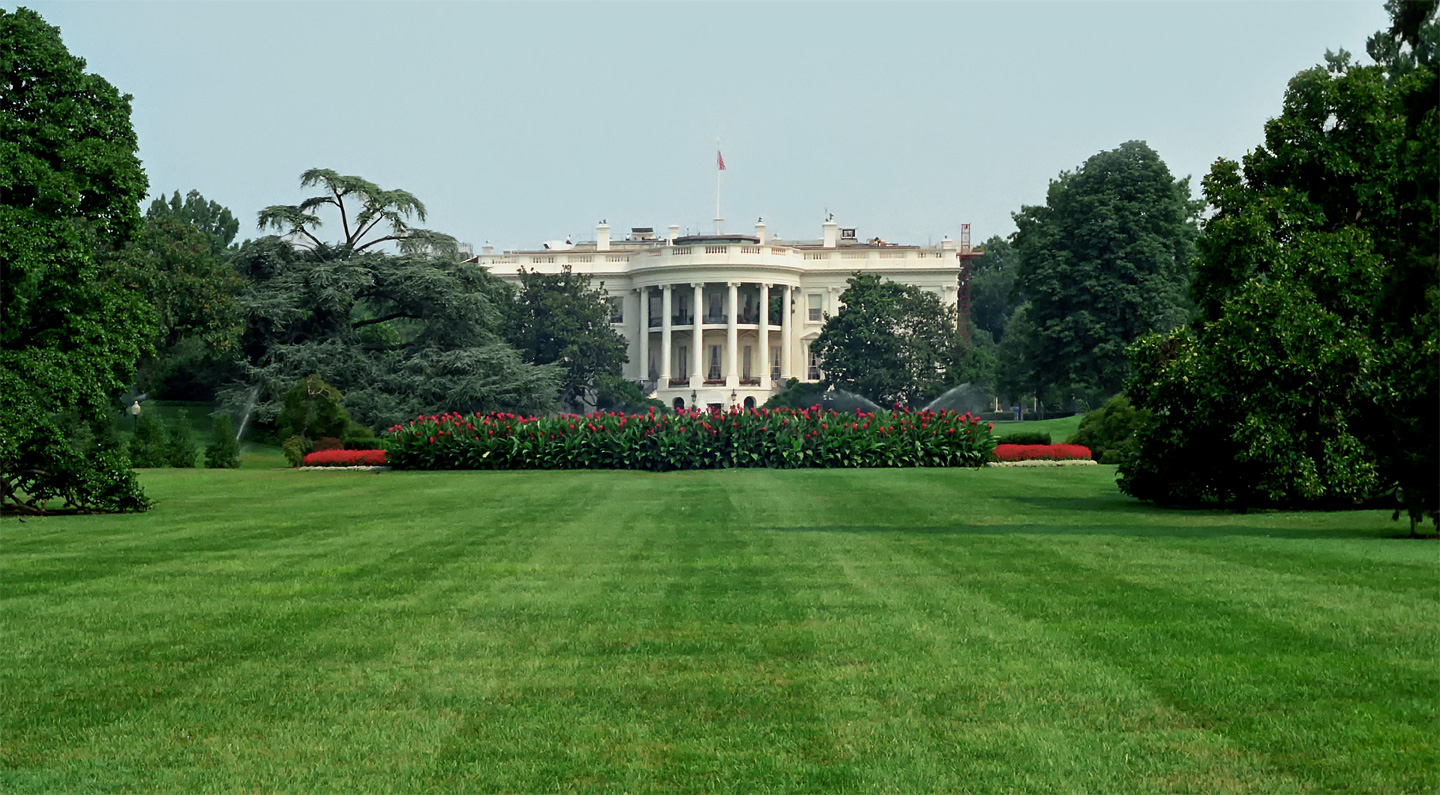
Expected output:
(1109, 432)
(313, 409)
(1041, 452)
(331, 443)
(147, 446)
(180, 449)
(688, 439)
(295, 449)
(223, 452)
(360, 443)
(797, 395)
(1027, 437)
(345, 458)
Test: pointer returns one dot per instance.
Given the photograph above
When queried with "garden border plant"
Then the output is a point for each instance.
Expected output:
(692, 439)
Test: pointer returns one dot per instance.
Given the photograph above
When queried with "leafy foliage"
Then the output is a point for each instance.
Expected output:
(223, 452)
(209, 218)
(894, 344)
(1311, 377)
(313, 409)
(782, 438)
(1103, 262)
(147, 445)
(561, 319)
(993, 299)
(180, 448)
(365, 209)
(797, 394)
(398, 335)
(70, 334)
(1110, 432)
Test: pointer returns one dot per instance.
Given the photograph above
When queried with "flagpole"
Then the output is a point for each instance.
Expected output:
(719, 172)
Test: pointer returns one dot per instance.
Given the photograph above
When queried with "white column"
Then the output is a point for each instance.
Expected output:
(732, 335)
(665, 336)
(764, 335)
(644, 314)
(697, 353)
(787, 329)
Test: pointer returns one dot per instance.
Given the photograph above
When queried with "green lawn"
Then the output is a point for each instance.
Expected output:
(1060, 430)
(897, 630)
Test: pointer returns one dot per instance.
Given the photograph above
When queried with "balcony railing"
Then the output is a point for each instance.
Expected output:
(750, 381)
(751, 318)
(711, 318)
(674, 382)
(654, 322)
(682, 320)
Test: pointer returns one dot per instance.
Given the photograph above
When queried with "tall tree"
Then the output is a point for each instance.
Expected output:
(993, 299)
(208, 217)
(369, 216)
(1311, 376)
(561, 319)
(186, 275)
(895, 343)
(397, 335)
(1103, 262)
(70, 334)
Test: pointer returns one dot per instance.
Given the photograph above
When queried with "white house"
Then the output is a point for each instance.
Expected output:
(723, 320)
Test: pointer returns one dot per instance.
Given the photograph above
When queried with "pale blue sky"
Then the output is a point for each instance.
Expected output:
(517, 123)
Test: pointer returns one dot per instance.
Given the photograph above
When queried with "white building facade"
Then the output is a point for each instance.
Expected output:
(725, 320)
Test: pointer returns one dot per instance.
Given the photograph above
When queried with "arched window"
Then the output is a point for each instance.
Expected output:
(749, 402)
(679, 404)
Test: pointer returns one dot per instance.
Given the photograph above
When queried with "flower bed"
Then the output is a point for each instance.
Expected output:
(781, 439)
(345, 458)
(1041, 452)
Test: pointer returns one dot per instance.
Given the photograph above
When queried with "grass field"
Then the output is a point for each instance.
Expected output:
(898, 630)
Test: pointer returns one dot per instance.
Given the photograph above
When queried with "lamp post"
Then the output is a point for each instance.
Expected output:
(135, 415)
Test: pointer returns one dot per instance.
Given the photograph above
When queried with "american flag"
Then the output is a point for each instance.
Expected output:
(720, 159)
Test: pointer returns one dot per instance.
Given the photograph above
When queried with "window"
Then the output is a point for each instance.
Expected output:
(682, 309)
(775, 363)
(716, 315)
(654, 311)
(617, 310)
(714, 363)
(814, 373)
(814, 300)
(682, 361)
(745, 371)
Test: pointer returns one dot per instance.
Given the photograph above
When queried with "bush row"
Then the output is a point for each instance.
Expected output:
(345, 458)
(1040, 452)
(775, 438)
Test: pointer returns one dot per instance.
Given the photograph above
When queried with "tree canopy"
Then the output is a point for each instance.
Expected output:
(993, 298)
(398, 335)
(70, 182)
(1105, 261)
(894, 343)
(369, 216)
(1311, 377)
(561, 319)
(207, 217)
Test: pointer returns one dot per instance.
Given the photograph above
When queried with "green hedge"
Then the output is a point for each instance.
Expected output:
(779, 438)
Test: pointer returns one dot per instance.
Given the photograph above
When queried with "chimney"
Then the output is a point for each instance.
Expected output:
(831, 232)
(946, 244)
(674, 233)
(602, 237)
(488, 249)
(761, 232)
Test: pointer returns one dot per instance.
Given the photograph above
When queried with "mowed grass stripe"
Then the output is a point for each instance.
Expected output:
(285, 603)
(1231, 666)
(720, 631)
